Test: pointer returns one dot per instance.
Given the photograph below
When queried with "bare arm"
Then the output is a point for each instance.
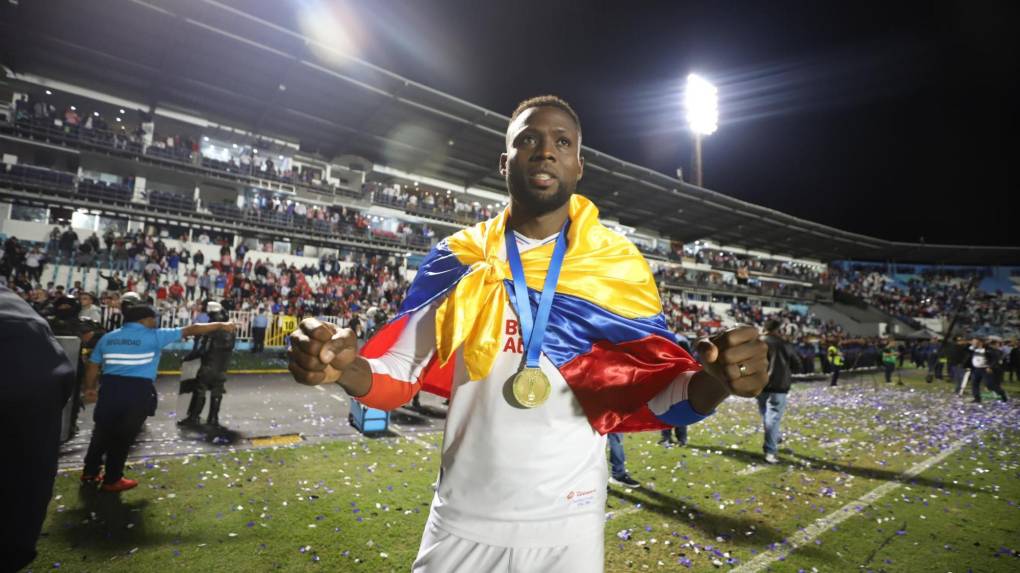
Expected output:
(208, 328)
(356, 379)
(90, 383)
(321, 354)
(705, 393)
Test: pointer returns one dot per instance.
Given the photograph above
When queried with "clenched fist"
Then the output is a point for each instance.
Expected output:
(320, 352)
(738, 358)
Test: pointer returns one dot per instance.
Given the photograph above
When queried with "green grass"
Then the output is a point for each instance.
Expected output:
(368, 499)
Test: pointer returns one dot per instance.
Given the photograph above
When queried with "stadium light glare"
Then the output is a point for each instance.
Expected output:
(329, 29)
(701, 101)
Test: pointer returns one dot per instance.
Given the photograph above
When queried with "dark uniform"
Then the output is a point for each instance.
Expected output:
(214, 350)
(129, 358)
(65, 321)
(35, 384)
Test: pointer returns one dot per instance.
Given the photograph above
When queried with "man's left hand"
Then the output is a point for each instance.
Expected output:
(738, 358)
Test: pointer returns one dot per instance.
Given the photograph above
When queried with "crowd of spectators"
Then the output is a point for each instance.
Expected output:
(743, 265)
(690, 319)
(414, 199)
(361, 292)
(681, 276)
(932, 294)
(135, 133)
(333, 219)
(795, 324)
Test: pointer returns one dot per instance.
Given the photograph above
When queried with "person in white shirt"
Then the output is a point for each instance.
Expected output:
(521, 487)
(89, 309)
(983, 359)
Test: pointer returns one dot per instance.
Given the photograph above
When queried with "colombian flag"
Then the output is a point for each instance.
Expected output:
(606, 335)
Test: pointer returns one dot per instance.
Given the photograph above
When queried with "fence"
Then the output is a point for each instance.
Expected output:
(276, 335)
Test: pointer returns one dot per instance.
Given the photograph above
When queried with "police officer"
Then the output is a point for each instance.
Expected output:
(214, 350)
(128, 358)
(65, 320)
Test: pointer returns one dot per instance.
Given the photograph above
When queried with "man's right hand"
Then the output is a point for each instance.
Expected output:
(319, 352)
(90, 396)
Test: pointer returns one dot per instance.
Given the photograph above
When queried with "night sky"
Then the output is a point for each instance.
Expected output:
(880, 118)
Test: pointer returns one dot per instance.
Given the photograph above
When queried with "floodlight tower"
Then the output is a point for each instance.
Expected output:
(701, 102)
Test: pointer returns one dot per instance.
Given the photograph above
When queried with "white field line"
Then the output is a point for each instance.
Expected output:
(808, 534)
(409, 436)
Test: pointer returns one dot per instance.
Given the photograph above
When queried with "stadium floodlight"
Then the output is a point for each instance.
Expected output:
(701, 103)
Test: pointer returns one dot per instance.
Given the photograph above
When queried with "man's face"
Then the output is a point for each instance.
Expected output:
(542, 163)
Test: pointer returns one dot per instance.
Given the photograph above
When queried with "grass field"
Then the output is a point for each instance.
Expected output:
(360, 505)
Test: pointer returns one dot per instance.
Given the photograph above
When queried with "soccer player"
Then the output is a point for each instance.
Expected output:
(545, 328)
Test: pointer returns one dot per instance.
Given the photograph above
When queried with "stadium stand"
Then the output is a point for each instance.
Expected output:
(263, 195)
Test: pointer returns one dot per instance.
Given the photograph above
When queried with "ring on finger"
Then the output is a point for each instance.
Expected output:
(742, 368)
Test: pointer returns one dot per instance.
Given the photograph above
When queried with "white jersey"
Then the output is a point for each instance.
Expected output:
(511, 476)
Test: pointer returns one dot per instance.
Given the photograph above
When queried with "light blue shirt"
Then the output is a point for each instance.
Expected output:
(260, 321)
(133, 350)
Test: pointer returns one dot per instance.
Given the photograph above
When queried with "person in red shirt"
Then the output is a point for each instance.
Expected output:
(176, 291)
(162, 291)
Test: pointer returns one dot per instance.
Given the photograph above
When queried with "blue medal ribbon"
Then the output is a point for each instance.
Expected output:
(533, 330)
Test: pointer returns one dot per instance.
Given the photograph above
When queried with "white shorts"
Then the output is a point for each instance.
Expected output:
(444, 552)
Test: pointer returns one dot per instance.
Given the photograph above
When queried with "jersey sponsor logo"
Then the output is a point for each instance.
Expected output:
(577, 498)
(514, 343)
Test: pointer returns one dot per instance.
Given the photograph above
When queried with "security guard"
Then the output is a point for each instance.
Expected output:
(214, 350)
(889, 356)
(128, 357)
(835, 360)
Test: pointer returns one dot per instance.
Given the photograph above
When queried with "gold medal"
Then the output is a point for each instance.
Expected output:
(531, 387)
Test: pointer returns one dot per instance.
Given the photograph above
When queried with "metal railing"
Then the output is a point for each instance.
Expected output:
(277, 333)
(115, 143)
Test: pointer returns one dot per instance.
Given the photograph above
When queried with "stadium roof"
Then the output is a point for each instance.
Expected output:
(227, 61)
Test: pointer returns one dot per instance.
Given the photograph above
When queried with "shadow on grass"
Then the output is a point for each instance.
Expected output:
(105, 522)
(218, 435)
(426, 410)
(714, 525)
(407, 417)
(818, 463)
